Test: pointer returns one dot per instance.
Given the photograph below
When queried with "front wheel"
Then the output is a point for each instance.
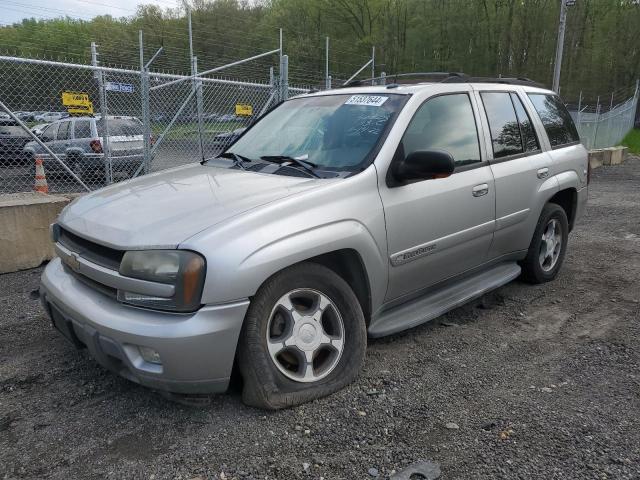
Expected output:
(303, 338)
(548, 246)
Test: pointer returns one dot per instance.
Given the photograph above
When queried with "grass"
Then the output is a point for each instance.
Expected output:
(632, 140)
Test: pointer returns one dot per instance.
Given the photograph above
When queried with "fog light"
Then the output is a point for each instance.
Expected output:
(150, 355)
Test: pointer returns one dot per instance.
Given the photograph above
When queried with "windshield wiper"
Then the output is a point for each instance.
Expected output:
(286, 161)
(238, 160)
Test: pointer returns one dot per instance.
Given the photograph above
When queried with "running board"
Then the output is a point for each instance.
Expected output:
(440, 301)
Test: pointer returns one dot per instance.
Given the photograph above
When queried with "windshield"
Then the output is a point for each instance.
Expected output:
(330, 132)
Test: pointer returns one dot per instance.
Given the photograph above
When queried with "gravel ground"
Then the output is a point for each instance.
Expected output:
(529, 382)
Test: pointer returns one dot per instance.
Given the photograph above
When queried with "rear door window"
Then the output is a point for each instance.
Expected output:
(120, 127)
(529, 139)
(82, 129)
(556, 119)
(503, 123)
(63, 131)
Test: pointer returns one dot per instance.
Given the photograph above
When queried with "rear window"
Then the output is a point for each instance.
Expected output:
(119, 127)
(555, 118)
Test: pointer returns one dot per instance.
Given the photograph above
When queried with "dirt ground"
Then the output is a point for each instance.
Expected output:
(529, 382)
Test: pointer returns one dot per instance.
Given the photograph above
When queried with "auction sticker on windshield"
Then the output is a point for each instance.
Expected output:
(370, 100)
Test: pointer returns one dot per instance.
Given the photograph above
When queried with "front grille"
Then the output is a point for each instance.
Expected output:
(94, 252)
(99, 287)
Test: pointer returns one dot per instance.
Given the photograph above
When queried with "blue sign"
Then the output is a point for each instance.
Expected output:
(119, 87)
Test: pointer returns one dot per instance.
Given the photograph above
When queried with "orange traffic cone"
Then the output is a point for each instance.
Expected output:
(41, 179)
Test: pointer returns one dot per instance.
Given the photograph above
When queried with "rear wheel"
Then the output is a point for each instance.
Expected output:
(548, 246)
(304, 337)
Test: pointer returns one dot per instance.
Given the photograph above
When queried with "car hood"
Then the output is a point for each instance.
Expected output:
(162, 210)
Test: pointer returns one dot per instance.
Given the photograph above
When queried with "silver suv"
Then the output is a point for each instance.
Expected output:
(80, 142)
(340, 215)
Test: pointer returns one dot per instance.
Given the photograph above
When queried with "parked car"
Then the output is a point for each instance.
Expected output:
(224, 139)
(8, 122)
(12, 142)
(50, 116)
(37, 129)
(80, 142)
(340, 214)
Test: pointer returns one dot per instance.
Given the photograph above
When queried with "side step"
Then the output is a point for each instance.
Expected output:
(439, 302)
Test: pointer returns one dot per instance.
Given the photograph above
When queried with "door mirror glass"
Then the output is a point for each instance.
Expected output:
(425, 165)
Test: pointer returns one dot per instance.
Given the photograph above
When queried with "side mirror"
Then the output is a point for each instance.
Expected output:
(425, 165)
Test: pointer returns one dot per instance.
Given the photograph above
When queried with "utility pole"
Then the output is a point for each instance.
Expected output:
(560, 42)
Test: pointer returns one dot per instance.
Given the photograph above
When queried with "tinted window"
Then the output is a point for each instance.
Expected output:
(555, 118)
(503, 123)
(63, 131)
(82, 129)
(119, 127)
(49, 133)
(445, 123)
(527, 131)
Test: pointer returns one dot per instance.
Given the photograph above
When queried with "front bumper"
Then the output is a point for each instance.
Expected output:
(196, 350)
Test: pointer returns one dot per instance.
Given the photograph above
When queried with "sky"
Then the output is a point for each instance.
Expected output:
(12, 11)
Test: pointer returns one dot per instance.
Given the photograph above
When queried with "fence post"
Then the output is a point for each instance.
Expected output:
(327, 77)
(284, 77)
(146, 113)
(197, 85)
(636, 109)
(383, 78)
(595, 131)
(579, 107)
(102, 91)
(373, 65)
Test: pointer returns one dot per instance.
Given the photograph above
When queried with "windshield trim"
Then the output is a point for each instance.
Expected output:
(369, 158)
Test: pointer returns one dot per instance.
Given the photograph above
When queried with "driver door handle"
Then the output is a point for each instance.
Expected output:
(480, 190)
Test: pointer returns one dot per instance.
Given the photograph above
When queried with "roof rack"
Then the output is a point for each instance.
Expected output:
(444, 77)
(506, 80)
(390, 79)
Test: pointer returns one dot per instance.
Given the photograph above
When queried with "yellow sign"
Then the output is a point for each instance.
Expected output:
(75, 99)
(244, 109)
(81, 110)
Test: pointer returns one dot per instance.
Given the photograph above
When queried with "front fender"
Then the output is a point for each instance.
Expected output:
(245, 251)
(300, 246)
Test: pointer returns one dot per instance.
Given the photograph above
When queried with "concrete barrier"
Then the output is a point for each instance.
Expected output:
(607, 156)
(596, 159)
(24, 229)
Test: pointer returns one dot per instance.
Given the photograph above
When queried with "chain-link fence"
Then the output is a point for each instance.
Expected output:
(603, 123)
(93, 125)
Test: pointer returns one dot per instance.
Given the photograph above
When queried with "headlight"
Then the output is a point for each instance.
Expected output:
(181, 268)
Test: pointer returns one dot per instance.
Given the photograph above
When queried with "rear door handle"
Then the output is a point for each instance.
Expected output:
(480, 190)
(543, 172)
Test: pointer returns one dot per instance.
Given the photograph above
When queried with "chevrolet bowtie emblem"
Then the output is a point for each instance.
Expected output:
(73, 262)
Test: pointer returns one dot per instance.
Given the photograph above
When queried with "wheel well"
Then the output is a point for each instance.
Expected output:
(348, 265)
(567, 200)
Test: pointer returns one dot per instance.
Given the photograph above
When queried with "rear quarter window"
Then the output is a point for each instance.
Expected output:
(556, 119)
(119, 127)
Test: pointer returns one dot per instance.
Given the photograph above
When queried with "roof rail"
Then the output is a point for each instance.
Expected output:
(446, 77)
(505, 80)
(439, 76)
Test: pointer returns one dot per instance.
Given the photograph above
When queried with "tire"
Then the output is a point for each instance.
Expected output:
(267, 383)
(540, 266)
